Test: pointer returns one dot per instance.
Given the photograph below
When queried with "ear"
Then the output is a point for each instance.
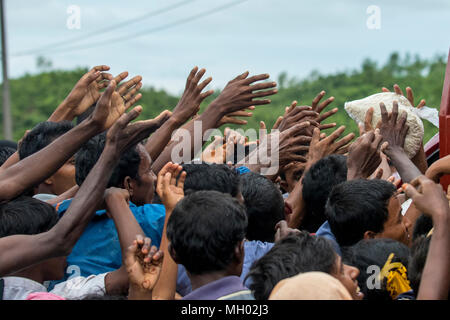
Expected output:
(369, 235)
(173, 254)
(239, 252)
(48, 181)
(128, 185)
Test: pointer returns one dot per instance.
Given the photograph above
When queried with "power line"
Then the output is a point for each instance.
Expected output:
(152, 30)
(103, 30)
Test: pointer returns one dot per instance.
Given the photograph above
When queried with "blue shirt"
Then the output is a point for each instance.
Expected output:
(98, 249)
(325, 231)
(253, 250)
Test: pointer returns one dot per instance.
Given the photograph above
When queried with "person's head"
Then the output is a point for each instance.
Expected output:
(264, 204)
(206, 233)
(29, 216)
(310, 286)
(298, 254)
(37, 139)
(133, 172)
(422, 226)
(5, 153)
(417, 259)
(216, 177)
(369, 256)
(318, 182)
(365, 209)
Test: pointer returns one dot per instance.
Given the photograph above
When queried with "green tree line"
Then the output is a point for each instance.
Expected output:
(34, 97)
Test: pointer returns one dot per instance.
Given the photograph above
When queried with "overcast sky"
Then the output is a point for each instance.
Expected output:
(262, 36)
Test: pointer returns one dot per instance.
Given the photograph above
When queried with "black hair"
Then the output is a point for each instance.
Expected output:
(26, 215)
(357, 206)
(317, 184)
(417, 259)
(290, 256)
(265, 206)
(217, 177)
(374, 252)
(41, 136)
(5, 153)
(204, 229)
(422, 226)
(8, 143)
(90, 152)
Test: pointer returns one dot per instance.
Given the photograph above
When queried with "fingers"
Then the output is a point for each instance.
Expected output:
(384, 89)
(101, 68)
(132, 101)
(394, 114)
(205, 82)
(327, 126)
(181, 180)
(421, 104)
(277, 123)
(258, 77)
(324, 104)
(398, 90)
(368, 119)
(336, 134)
(105, 98)
(263, 85)
(129, 84)
(317, 99)
(315, 137)
(410, 191)
(327, 114)
(384, 113)
(345, 140)
(410, 95)
(121, 76)
(241, 76)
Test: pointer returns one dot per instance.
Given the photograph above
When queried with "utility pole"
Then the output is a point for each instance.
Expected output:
(7, 122)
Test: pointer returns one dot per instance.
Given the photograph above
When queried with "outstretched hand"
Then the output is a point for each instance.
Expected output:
(364, 155)
(85, 93)
(168, 188)
(240, 93)
(143, 264)
(192, 97)
(123, 135)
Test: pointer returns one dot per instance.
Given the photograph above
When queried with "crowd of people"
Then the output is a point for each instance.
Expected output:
(94, 206)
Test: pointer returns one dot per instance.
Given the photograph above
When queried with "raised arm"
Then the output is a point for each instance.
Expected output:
(116, 282)
(187, 107)
(394, 129)
(19, 251)
(239, 94)
(429, 197)
(170, 191)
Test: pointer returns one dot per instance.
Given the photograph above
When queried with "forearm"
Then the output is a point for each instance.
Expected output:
(166, 285)
(435, 281)
(41, 165)
(13, 159)
(62, 113)
(420, 160)
(88, 198)
(295, 200)
(406, 169)
(64, 196)
(159, 140)
(127, 228)
(207, 120)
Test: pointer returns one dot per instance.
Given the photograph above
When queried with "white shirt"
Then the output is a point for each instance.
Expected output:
(18, 288)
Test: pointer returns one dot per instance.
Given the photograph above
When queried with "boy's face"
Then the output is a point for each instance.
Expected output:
(63, 179)
(144, 189)
(348, 276)
(396, 225)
